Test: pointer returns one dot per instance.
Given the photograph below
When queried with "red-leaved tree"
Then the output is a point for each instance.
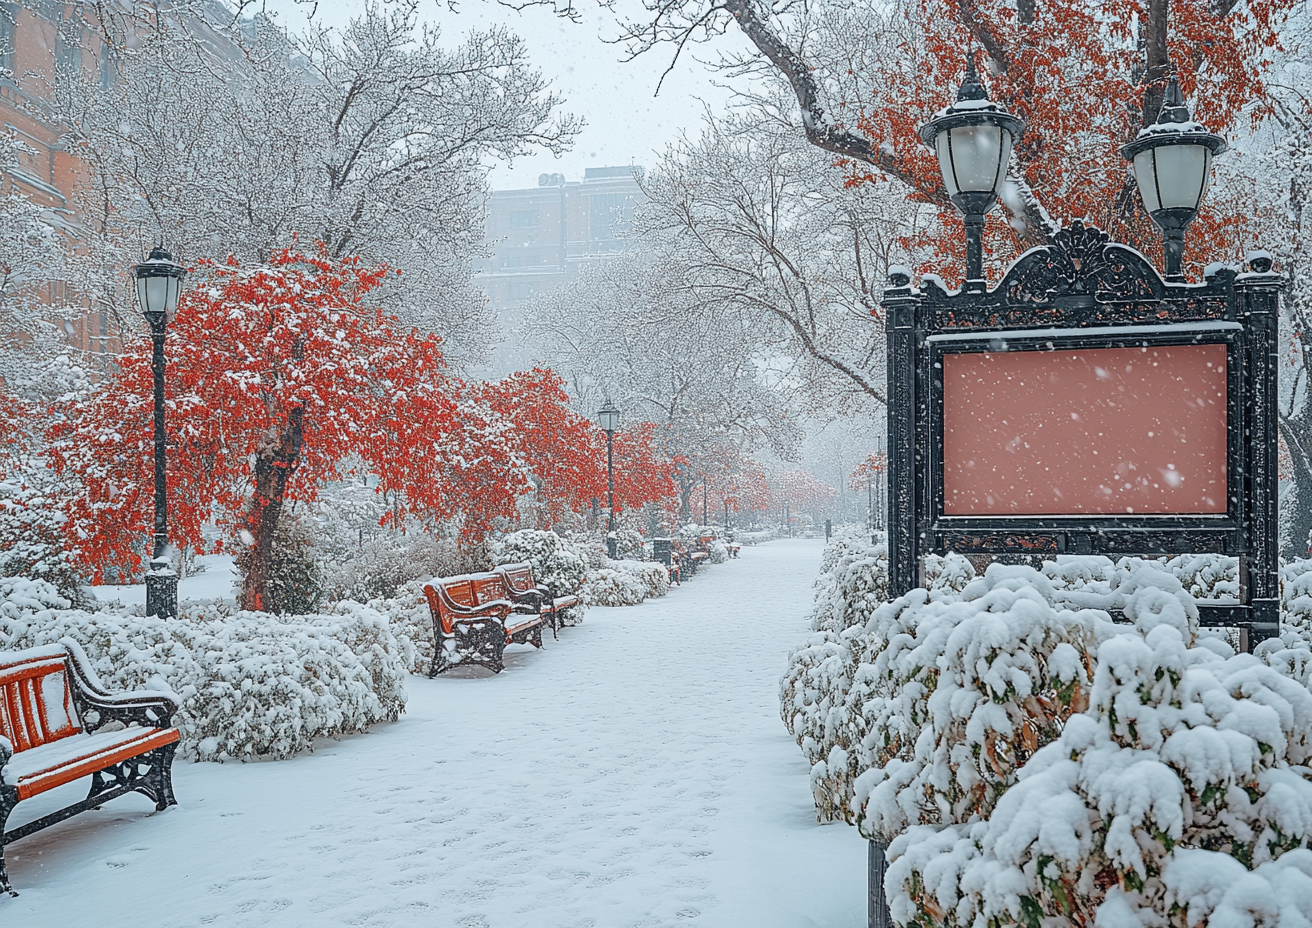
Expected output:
(278, 375)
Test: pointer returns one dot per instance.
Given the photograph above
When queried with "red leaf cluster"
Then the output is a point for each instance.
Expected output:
(282, 377)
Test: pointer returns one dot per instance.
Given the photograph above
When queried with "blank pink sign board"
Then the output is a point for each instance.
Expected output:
(1092, 431)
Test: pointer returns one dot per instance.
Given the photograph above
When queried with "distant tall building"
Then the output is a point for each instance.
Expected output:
(541, 237)
(41, 47)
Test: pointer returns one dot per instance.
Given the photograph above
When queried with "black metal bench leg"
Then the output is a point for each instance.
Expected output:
(158, 783)
(8, 799)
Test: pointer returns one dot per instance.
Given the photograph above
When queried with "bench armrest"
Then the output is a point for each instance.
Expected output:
(533, 597)
(148, 708)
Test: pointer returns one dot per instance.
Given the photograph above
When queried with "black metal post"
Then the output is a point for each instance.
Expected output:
(612, 543)
(870, 506)
(901, 302)
(705, 518)
(877, 911)
(974, 247)
(161, 580)
(1173, 251)
(1258, 296)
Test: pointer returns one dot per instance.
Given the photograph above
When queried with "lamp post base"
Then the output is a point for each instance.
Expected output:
(162, 594)
(613, 548)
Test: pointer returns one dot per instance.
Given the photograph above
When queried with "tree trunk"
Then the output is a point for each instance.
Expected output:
(274, 464)
(1158, 63)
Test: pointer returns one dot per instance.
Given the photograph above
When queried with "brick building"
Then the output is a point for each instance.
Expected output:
(42, 45)
(541, 237)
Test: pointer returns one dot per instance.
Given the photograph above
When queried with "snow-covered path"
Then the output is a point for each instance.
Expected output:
(635, 773)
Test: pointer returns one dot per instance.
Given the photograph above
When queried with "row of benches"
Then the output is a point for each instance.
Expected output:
(58, 723)
(476, 615)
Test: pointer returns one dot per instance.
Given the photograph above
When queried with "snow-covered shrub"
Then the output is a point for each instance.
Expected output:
(955, 692)
(951, 572)
(838, 691)
(410, 620)
(555, 566)
(812, 698)
(625, 583)
(251, 685)
(1180, 797)
(591, 548)
(1207, 576)
(651, 576)
(32, 537)
(389, 563)
(609, 587)
(1296, 596)
(296, 580)
(719, 552)
(628, 543)
(853, 582)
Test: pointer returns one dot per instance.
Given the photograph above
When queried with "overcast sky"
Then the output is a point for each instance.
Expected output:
(627, 123)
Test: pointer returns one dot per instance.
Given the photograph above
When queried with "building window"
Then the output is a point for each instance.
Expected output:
(523, 219)
(605, 213)
(68, 54)
(522, 291)
(108, 66)
(8, 31)
(510, 261)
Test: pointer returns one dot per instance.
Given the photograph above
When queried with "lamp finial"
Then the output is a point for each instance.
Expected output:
(971, 88)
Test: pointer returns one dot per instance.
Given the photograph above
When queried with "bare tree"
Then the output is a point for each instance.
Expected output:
(767, 230)
(372, 140)
(634, 330)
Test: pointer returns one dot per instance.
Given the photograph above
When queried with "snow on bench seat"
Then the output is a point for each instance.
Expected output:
(58, 762)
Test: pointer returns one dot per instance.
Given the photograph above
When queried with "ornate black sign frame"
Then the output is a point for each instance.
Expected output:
(1085, 291)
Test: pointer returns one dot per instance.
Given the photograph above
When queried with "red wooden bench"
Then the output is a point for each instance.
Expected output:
(60, 725)
(519, 583)
(475, 617)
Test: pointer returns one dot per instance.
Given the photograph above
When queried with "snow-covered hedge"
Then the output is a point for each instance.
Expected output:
(625, 583)
(1180, 797)
(252, 685)
(555, 566)
(1035, 763)
(841, 683)
(410, 620)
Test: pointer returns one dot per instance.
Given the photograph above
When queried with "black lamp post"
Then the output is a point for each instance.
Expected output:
(609, 418)
(1172, 162)
(159, 284)
(973, 139)
(870, 504)
(705, 518)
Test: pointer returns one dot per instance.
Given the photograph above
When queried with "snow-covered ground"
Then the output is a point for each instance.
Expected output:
(635, 773)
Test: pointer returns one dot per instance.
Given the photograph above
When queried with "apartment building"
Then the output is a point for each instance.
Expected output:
(541, 237)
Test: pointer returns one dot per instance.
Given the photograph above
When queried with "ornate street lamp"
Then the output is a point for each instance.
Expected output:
(609, 418)
(159, 284)
(1172, 162)
(973, 139)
